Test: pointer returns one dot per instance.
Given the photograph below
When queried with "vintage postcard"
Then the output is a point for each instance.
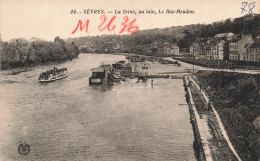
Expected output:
(130, 80)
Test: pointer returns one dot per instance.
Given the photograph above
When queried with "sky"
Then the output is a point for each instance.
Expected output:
(46, 19)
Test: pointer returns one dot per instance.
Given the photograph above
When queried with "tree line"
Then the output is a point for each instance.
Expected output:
(246, 24)
(21, 52)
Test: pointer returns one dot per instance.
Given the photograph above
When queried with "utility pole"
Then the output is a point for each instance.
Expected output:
(218, 60)
(193, 61)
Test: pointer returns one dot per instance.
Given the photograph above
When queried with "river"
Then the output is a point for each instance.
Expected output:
(70, 120)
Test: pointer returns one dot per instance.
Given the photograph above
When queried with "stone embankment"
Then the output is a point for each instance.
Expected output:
(236, 99)
(211, 141)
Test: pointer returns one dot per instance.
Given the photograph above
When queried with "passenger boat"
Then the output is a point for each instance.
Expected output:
(53, 75)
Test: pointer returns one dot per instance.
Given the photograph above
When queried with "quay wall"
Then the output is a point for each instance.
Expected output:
(194, 120)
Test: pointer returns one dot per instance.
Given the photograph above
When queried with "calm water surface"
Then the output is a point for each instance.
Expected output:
(70, 120)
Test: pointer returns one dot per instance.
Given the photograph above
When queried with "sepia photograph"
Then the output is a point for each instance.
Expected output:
(132, 80)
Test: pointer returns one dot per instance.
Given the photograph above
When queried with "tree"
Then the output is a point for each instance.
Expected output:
(20, 52)
(187, 40)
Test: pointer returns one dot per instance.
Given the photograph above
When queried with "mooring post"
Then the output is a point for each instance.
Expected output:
(152, 83)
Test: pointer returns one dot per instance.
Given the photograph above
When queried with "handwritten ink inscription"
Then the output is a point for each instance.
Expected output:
(249, 6)
(126, 26)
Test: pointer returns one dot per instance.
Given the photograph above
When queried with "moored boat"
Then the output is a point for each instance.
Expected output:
(53, 75)
(100, 74)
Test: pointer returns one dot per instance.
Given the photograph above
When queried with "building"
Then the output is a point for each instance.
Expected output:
(220, 50)
(214, 52)
(171, 49)
(175, 50)
(202, 54)
(208, 48)
(135, 58)
(126, 70)
(118, 65)
(233, 50)
(167, 49)
(225, 36)
(253, 52)
(195, 48)
(238, 48)
(208, 51)
(138, 49)
(214, 49)
(198, 48)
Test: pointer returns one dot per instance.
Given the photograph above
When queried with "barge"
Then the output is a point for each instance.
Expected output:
(104, 74)
(100, 74)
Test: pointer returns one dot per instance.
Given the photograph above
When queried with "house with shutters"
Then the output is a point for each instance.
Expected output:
(238, 48)
(253, 52)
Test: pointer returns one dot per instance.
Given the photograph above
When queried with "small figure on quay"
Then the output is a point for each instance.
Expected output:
(202, 106)
(190, 84)
(209, 105)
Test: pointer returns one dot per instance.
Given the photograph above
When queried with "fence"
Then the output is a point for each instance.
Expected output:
(248, 71)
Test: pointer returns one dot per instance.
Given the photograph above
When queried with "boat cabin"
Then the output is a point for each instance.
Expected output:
(136, 58)
(118, 65)
(101, 71)
(99, 74)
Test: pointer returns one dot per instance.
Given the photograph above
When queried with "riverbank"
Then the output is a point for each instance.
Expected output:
(161, 60)
(235, 98)
(221, 64)
(154, 58)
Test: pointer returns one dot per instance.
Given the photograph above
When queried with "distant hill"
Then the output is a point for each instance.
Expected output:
(246, 24)
(182, 35)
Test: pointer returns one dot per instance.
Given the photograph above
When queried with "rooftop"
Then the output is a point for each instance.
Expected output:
(256, 44)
